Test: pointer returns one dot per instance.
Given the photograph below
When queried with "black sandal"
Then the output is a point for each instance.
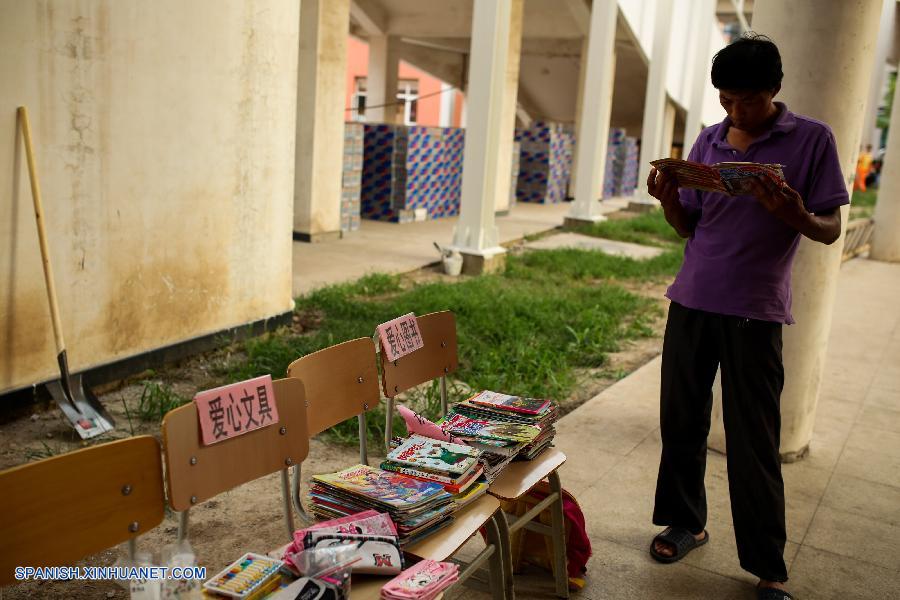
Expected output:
(682, 540)
(770, 593)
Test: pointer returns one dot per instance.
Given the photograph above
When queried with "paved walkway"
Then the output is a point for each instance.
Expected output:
(843, 501)
(346, 259)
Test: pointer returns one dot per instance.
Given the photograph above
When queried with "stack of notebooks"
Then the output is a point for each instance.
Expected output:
(504, 426)
(417, 507)
(424, 580)
(454, 466)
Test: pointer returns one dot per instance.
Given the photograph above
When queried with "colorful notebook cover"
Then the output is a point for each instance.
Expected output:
(519, 404)
(383, 487)
(509, 432)
(470, 495)
(426, 453)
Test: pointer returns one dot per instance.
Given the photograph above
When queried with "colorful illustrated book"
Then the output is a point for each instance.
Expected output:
(454, 486)
(382, 487)
(420, 452)
(461, 425)
(519, 404)
(465, 498)
(731, 178)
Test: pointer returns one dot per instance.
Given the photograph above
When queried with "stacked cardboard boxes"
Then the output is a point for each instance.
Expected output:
(629, 155)
(514, 173)
(351, 177)
(620, 178)
(545, 162)
(411, 173)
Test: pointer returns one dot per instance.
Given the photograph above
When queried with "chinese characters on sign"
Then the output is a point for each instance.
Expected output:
(234, 409)
(400, 336)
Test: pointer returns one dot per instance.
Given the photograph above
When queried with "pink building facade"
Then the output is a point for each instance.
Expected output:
(420, 91)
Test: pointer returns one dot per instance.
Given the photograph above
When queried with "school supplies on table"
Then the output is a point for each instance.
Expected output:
(422, 581)
(310, 588)
(368, 522)
(455, 466)
(470, 495)
(503, 411)
(248, 578)
(419, 452)
(452, 485)
(328, 569)
(482, 429)
(517, 404)
(375, 554)
(416, 507)
(731, 178)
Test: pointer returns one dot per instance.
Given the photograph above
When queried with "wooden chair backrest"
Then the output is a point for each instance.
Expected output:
(436, 358)
(341, 382)
(195, 472)
(60, 509)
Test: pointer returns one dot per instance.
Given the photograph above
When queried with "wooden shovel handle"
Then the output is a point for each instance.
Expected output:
(22, 113)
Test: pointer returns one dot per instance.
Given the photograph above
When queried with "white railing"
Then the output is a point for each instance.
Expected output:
(858, 237)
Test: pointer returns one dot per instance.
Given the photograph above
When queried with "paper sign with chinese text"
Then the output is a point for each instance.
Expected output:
(234, 409)
(400, 336)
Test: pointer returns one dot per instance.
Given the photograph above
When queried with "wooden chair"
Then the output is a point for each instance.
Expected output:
(61, 509)
(439, 358)
(196, 473)
(342, 382)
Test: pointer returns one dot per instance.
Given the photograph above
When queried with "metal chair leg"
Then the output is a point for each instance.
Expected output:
(286, 497)
(444, 397)
(506, 555)
(497, 571)
(305, 517)
(363, 439)
(560, 570)
(183, 525)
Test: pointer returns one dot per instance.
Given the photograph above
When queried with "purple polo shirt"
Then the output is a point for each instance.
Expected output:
(738, 262)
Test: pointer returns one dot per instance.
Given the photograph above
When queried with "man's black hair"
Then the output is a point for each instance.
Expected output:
(750, 63)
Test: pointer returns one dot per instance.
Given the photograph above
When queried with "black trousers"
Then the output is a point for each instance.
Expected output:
(749, 352)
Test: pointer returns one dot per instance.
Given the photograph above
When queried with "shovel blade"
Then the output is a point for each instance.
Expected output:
(81, 408)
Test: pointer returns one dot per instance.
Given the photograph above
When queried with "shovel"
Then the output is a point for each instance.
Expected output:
(79, 405)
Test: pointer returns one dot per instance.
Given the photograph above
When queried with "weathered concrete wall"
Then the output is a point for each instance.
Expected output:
(320, 118)
(165, 142)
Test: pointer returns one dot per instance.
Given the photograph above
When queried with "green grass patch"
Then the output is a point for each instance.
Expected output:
(580, 265)
(524, 331)
(867, 198)
(650, 229)
(156, 400)
(862, 204)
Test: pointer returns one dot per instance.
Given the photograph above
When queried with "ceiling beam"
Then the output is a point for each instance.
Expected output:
(370, 16)
(581, 13)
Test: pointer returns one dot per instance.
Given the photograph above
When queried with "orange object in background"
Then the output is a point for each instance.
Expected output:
(863, 166)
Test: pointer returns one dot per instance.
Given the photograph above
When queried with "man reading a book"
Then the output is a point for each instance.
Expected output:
(729, 302)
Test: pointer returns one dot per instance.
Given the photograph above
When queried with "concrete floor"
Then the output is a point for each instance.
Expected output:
(346, 259)
(843, 500)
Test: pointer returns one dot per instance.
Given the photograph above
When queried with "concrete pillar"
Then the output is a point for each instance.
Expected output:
(476, 235)
(667, 132)
(886, 237)
(827, 50)
(381, 81)
(886, 32)
(320, 118)
(448, 105)
(596, 105)
(579, 95)
(704, 11)
(508, 115)
(655, 101)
